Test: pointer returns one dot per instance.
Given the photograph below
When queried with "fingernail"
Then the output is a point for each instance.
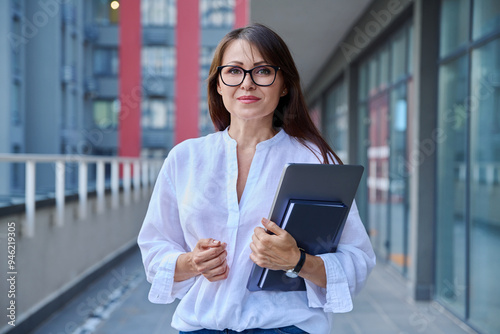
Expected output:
(215, 241)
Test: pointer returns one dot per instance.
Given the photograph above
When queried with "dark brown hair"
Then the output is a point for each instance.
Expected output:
(291, 113)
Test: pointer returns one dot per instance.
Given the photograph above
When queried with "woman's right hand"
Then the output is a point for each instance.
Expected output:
(208, 258)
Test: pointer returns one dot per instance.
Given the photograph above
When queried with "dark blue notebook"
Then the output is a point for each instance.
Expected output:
(317, 227)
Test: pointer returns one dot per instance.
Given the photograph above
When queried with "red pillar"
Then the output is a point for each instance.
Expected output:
(187, 71)
(129, 122)
(241, 13)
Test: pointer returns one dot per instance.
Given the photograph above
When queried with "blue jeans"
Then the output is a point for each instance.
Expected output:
(282, 330)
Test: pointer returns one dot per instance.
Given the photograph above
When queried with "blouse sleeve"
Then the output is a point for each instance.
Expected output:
(161, 241)
(346, 270)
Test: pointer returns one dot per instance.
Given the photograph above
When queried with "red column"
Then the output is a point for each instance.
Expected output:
(241, 13)
(129, 122)
(187, 70)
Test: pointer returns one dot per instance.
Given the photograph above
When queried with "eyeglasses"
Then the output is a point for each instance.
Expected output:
(263, 75)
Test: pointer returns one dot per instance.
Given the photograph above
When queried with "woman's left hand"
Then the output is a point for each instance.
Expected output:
(276, 251)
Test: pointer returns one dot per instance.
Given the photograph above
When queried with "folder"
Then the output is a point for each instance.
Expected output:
(312, 203)
(316, 226)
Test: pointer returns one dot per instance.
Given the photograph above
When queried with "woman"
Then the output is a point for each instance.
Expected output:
(202, 231)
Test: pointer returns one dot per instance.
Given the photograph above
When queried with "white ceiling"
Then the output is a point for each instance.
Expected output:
(311, 28)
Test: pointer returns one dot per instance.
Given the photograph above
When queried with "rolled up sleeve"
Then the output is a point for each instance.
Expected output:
(346, 270)
(161, 241)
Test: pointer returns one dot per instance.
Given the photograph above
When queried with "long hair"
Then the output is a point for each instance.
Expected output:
(291, 113)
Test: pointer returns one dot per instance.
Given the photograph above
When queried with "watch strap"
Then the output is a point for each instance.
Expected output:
(302, 259)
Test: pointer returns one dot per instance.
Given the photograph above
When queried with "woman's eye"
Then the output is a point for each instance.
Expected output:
(234, 71)
(262, 71)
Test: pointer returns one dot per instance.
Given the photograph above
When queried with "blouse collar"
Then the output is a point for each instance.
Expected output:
(266, 143)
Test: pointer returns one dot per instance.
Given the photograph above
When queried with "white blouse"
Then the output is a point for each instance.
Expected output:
(195, 197)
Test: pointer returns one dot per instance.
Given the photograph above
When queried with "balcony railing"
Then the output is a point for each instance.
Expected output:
(136, 174)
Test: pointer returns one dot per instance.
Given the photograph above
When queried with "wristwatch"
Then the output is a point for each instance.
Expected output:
(294, 273)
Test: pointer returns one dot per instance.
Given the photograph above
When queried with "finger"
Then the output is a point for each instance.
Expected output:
(207, 243)
(224, 273)
(212, 263)
(260, 233)
(271, 226)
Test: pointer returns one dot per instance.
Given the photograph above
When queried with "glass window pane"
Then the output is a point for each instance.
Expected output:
(398, 56)
(157, 114)
(336, 120)
(384, 68)
(451, 177)
(159, 12)
(486, 17)
(485, 188)
(219, 13)
(106, 62)
(373, 75)
(454, 25)
(398, 177)
(105, 113)
(101, 11)
(363, 82)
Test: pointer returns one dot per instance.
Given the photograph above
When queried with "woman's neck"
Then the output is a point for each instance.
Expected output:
(248, 134)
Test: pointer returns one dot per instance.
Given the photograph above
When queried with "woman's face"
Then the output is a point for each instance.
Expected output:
(249, 101)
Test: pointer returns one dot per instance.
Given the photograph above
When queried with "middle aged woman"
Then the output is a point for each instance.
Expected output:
(204, 227)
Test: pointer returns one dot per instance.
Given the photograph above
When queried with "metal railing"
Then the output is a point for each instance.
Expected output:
(136, 173)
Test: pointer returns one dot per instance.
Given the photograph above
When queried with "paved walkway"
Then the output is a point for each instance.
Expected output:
(117, 303)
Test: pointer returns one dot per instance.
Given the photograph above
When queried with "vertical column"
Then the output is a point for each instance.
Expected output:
(241, 17)
(187, 71)
(130, 79)
(423, 123)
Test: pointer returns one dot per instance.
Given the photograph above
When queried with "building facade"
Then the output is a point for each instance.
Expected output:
(62, 96)
(413, 93)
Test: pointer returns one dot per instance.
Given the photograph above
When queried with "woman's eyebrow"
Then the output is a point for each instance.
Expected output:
(239, 63)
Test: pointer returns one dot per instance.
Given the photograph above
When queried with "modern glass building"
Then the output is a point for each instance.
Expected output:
(412, 92)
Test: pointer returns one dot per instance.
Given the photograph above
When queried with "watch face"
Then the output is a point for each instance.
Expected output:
(292, 274)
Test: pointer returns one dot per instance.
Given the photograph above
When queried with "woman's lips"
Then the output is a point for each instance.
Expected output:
(248, 99)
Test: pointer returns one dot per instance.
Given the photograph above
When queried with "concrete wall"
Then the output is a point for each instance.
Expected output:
(58, 258)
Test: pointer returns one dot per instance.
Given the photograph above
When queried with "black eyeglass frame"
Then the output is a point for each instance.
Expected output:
(276, 69)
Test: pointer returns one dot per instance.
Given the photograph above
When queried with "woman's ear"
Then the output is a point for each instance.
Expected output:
(219, 90)
(284, 92)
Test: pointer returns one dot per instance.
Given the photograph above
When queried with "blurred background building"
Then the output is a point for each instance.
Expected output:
(409, 89)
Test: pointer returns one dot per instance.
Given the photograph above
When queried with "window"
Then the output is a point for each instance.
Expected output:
(206, 56)
(454, 24)
(158, 60)
(468, 218)
(384, 81)
(486, 17)
(106, 11)
(106, 62)
(159, 12)
(485, 186)
(106, 113)
(157, 114)
(336, 120)
(217, 13)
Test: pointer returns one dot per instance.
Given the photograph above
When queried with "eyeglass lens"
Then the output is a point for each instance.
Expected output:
(261, 75)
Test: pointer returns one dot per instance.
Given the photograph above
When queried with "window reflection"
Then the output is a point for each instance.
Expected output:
(485, 186)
